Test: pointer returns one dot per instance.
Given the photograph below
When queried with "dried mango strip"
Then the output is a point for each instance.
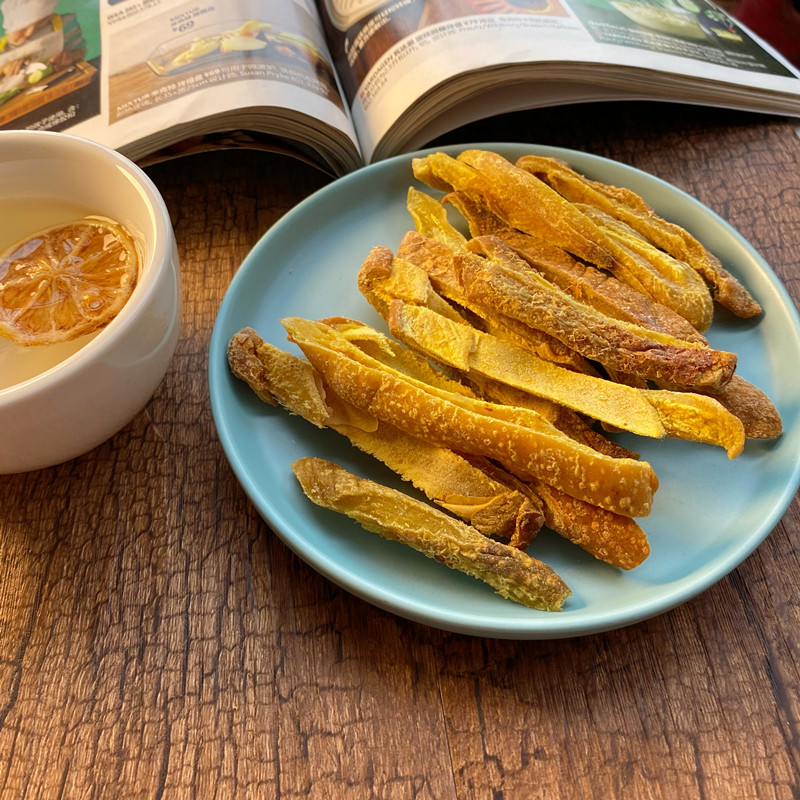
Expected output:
(280, 378)
(516, 291)
(629, 207)
(393, 515)
(524, 442)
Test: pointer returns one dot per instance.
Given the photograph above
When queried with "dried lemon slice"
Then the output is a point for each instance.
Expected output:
(66, 281)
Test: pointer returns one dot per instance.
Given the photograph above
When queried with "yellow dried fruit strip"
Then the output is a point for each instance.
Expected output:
(697, 418)
(430, 219)
(609, 537)
(512, 289)
(757, 413)
(280, 378)
(598, 289)
(653, 413)
(467, 349)
(529, 204)
(380, 280)
(393, 515)
(508, 289)
(563, 418)
(524, 442)
(629, 207)
(688, 290)
(521, 200)
(480, 492)
(441, 265)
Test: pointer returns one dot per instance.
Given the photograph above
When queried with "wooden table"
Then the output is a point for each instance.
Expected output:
(158, 640)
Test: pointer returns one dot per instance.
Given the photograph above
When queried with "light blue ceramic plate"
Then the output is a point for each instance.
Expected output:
(710, 513)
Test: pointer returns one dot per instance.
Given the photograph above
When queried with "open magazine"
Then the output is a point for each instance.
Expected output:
(346, 82)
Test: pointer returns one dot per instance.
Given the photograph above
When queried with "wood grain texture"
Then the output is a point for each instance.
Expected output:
(158, 640)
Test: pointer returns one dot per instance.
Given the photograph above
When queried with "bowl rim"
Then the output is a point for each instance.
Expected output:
(162, 258)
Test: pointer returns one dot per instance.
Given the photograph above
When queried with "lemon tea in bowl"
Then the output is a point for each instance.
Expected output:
(89, 296)
(61, 281)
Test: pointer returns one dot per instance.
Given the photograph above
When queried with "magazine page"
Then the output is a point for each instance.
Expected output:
(409, 66)
(144, 75)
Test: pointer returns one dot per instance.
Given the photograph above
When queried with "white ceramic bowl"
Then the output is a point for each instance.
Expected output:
(60, 401)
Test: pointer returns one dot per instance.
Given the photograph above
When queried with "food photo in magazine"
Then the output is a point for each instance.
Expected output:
(49, 54)
(282, 46)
